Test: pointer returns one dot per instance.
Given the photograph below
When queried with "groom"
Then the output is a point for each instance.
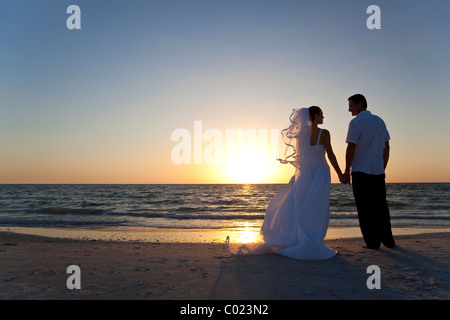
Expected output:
(367, 155)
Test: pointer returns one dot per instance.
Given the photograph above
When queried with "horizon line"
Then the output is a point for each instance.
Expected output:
(190, 183)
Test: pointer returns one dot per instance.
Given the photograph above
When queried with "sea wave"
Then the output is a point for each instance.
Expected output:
(187, 213)
(63, 210)
(215, 217)
(205, 213)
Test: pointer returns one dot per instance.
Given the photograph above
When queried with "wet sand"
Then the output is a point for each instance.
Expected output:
(166, 265)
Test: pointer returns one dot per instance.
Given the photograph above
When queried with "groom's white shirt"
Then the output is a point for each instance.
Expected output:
(369, 133)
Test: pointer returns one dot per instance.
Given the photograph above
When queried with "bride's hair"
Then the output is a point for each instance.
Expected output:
(313, 110)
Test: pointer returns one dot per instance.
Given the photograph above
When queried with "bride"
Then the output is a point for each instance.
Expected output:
(296, 219)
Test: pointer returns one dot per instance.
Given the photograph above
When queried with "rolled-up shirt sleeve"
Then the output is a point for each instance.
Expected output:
(387, 137)
(354, 132)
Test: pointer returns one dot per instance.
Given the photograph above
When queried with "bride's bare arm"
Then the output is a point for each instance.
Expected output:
(330, 153)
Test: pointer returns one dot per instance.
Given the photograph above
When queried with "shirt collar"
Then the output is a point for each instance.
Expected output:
(364, 113)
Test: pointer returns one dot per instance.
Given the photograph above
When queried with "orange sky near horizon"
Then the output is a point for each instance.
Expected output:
(142, 167)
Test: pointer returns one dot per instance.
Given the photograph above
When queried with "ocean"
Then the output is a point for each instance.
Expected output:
(199, 206)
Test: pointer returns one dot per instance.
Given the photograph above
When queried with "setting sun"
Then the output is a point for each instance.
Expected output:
(250, 167)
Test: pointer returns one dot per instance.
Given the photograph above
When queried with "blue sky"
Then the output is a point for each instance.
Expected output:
(99, 104)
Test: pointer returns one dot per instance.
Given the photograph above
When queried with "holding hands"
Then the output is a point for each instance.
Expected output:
(345, 178)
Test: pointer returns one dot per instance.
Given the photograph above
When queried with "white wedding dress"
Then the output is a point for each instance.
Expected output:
(297, 218)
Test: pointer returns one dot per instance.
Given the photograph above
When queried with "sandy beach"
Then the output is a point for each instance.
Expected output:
(119, 265)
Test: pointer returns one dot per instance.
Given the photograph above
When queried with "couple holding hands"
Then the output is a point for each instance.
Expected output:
(297, 217)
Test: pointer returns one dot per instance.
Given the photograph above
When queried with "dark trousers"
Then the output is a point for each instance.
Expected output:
(373, 211)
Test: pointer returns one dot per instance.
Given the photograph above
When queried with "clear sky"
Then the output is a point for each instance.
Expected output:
(102, 104)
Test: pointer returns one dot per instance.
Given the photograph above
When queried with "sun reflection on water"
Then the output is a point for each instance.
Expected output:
(247, 233)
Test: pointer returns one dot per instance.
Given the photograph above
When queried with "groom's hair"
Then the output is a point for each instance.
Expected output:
(357, 98)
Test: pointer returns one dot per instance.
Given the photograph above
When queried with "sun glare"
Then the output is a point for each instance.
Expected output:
(247, 234)
(247, 167)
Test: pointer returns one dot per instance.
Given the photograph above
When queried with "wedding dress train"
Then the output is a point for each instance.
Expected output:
(296, 219)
